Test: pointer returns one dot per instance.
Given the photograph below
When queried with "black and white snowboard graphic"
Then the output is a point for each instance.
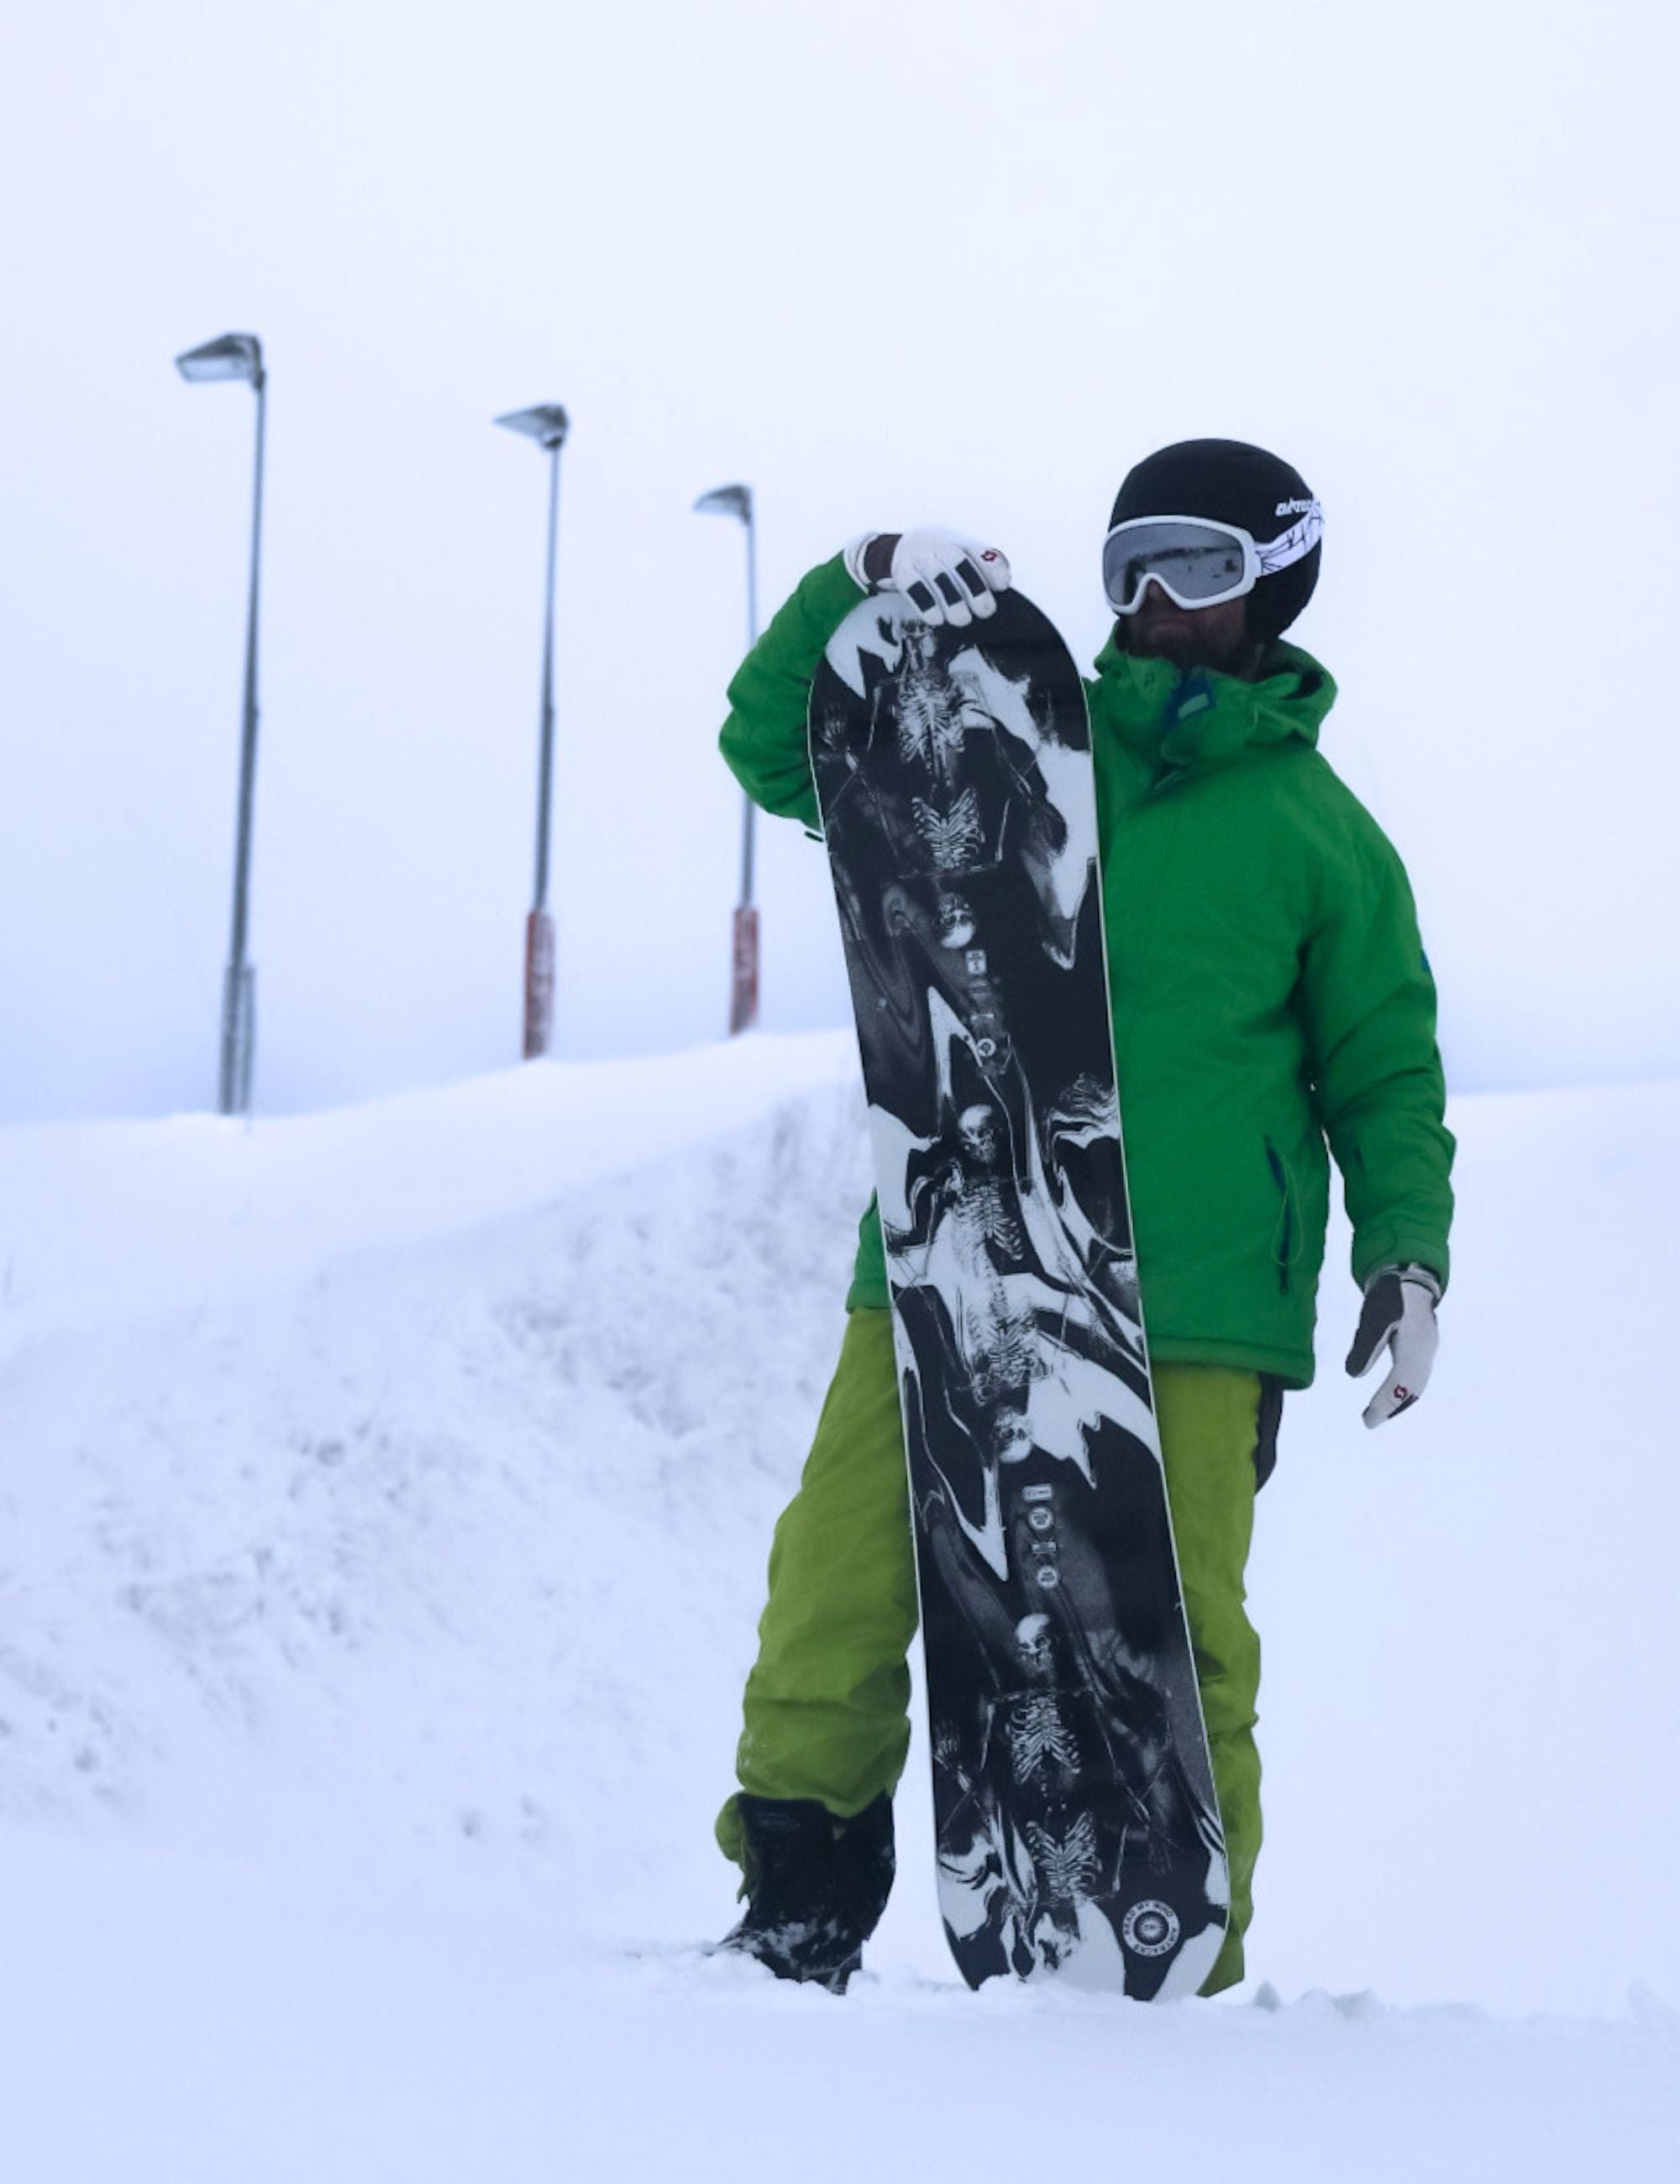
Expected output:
(1078, 1831)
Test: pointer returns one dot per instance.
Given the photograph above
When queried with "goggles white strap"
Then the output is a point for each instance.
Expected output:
(1293, 544)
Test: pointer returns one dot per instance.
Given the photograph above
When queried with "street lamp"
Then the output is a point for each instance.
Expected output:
(239, 356)
(737, 500)
(548, 425)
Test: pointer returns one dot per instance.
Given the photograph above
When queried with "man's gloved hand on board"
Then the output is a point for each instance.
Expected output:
(946, 577)
(1399, 1313)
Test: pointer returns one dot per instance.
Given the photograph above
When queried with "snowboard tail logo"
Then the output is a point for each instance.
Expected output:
(1151, 1928)
(1078, 1827)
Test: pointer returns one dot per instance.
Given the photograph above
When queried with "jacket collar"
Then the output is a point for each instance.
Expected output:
(1185, 719)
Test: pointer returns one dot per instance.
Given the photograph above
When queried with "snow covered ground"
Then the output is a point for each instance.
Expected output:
(384, 1497)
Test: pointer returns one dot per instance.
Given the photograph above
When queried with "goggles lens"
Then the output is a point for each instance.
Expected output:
(1196, 564)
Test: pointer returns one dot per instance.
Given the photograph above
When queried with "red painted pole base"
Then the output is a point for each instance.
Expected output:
(539, 984)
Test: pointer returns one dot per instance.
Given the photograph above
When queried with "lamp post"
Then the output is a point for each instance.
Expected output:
(547, 424)
(737, 500)
(239, 356)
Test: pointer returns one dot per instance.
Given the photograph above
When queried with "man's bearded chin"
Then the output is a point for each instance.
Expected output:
(1187, 641)
(1178, 642)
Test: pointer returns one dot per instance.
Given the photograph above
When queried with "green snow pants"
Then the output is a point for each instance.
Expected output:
(826, 1712)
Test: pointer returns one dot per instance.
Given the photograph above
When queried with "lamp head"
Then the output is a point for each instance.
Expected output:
(734, 500)
(547, 424)
(229, 356)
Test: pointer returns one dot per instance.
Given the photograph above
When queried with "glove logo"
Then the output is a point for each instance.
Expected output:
(1151, 1928)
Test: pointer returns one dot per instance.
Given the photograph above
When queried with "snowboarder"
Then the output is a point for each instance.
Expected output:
(1269, 993)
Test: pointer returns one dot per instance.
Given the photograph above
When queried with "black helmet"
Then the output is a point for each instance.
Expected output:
(1229, 481)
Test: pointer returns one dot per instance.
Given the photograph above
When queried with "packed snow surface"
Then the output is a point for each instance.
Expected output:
(384, 1497)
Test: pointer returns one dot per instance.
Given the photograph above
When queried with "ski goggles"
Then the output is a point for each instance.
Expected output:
(1197, 562)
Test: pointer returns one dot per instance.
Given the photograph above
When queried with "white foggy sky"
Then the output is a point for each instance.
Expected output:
(961, 263)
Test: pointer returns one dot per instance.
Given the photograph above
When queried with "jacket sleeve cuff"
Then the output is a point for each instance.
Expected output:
(852, 554)
(1399, 1247)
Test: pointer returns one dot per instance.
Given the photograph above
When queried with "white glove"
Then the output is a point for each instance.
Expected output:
(1399, 1311)
(946, 577)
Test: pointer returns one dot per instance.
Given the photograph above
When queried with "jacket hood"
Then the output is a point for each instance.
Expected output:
(1186, 718)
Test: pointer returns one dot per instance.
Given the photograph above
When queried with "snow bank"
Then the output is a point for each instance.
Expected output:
(383, 1504)
(95, 1219)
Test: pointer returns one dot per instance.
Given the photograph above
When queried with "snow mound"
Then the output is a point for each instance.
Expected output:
(383, 1510)
(363, 1506)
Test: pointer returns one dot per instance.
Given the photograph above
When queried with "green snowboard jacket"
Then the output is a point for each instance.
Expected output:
(1269, 987)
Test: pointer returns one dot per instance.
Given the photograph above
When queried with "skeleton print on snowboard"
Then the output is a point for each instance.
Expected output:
(1077, 1826)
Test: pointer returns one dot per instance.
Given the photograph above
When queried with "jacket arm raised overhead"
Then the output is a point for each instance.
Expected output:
(1369, 1003)
(764, 740)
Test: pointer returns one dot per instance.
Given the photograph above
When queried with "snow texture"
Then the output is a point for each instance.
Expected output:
(384, 1497)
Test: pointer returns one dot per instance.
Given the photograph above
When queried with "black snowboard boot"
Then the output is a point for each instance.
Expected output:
(816, 1887)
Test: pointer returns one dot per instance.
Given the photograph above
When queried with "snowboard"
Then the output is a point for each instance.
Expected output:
(1078, 1834)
